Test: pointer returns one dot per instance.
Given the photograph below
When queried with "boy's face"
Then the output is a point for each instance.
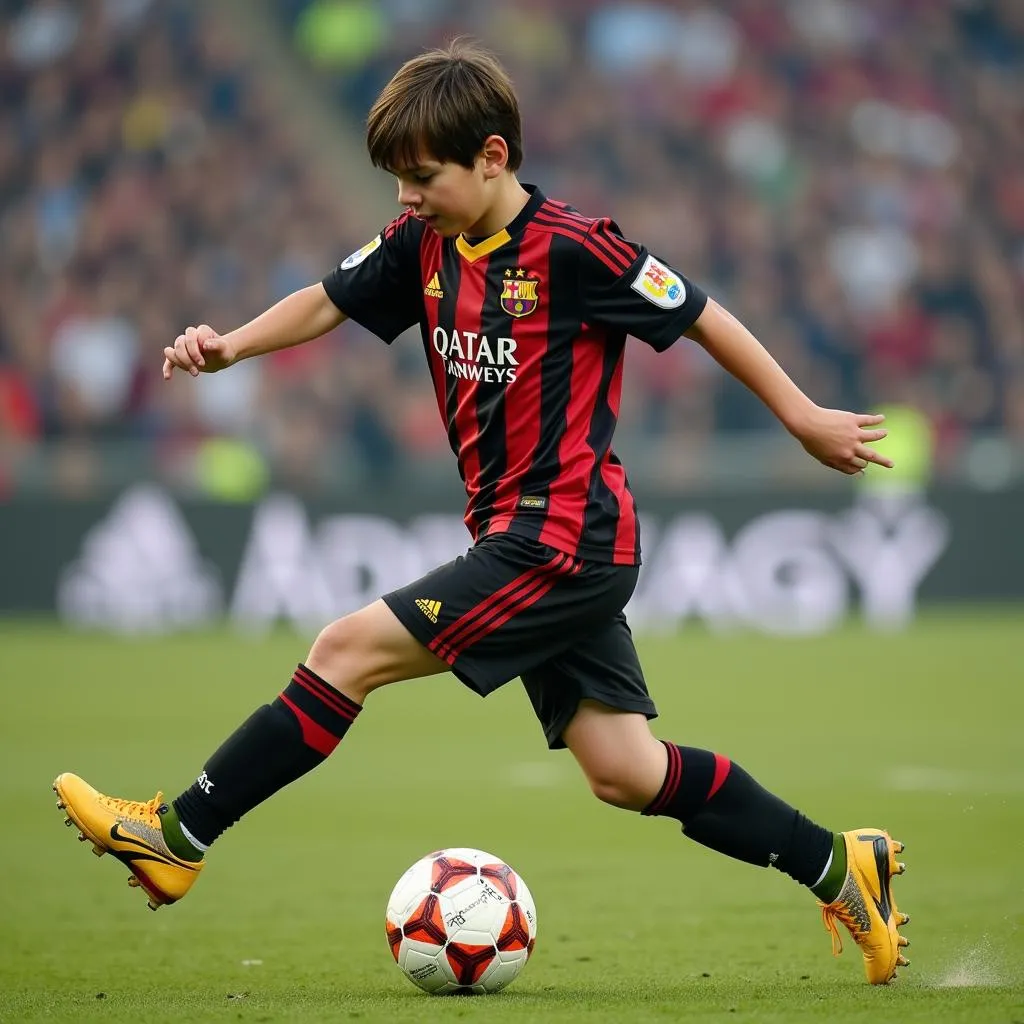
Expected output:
(452, 199)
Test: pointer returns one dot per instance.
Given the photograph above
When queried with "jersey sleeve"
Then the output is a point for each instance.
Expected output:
(625, 287)
(379, 285)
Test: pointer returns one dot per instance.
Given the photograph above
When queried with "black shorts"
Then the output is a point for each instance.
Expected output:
(513, 607)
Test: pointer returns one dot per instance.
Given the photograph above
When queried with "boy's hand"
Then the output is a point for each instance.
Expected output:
(199, 350)
(840, 439)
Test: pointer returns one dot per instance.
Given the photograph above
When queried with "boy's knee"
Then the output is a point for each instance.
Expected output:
(367, 649)
(342, 656)
(619, 790)
(335, 639)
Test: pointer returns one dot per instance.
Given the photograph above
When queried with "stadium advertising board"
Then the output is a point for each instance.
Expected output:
(789, 565)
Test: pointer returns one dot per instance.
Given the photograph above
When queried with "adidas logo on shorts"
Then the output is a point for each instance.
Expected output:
(429, 608)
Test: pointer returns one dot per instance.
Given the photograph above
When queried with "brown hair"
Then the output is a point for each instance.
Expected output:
(445, 102)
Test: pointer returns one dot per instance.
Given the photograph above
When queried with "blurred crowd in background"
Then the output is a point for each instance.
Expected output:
(846, 176)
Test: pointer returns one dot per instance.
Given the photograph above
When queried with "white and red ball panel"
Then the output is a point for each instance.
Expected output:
(461, 920)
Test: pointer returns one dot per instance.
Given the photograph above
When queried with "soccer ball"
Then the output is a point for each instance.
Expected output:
(460, 920)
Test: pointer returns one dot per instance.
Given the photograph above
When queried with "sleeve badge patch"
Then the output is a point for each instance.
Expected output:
(360, 254)
(659, 284)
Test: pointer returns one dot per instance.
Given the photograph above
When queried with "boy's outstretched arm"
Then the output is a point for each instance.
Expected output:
(299, 317)
(836, 438)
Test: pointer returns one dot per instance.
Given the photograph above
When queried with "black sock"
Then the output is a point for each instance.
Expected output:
(276, 745)
(722, 807)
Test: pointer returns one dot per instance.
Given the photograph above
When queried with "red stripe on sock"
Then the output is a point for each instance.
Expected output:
(675, 772)
(313, 735)
(333, 692)
(345, 706)
(326, 694)
(722, 766)
(673, 776)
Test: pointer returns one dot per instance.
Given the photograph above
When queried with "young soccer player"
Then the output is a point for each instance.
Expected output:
(524, 306)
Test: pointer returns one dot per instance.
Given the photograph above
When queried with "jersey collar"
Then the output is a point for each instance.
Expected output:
(472, 251)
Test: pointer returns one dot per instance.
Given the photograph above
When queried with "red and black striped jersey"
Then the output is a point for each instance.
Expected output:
(524, 334)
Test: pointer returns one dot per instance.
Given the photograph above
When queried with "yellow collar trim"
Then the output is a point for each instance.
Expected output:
(481, 249)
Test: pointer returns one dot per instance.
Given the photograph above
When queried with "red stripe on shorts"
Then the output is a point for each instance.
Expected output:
(496, 609)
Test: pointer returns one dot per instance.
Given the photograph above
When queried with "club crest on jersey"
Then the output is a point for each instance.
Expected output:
(519, 293)
(659, 284)
(360, 254)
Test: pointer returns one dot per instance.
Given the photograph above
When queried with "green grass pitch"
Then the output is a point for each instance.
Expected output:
(920, 732)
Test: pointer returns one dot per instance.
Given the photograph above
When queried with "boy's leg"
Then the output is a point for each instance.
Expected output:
(590, 699)
(717, 802)
(722, 807)
(163, 844)
(510, 603)
(283, 740)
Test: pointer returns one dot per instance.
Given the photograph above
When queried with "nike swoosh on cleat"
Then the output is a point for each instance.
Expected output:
(881, 851)
(126, 837)
(129, 858)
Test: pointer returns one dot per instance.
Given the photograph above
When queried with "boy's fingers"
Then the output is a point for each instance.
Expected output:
(879, 460)
(179, 356)
(168, 367)
(870, 420)
(184, 356)
(873, 435)
(192, 346)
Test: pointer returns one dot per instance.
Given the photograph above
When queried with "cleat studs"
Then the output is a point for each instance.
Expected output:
(133, 882)
(902, 961)
(68, 822)
(903, 942)
(98, 850)
(153, 906)
(904, 919)
(61, 805)
(81, 837)
(900, 868)
(897, 846)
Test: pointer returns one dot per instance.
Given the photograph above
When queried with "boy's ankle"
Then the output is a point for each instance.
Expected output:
(178, 841)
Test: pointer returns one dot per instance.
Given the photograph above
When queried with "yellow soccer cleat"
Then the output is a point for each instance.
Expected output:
(130, 830)
(865, 904)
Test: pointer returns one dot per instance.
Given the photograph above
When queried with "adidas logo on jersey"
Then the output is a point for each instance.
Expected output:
(433, 288)
(429, 608)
